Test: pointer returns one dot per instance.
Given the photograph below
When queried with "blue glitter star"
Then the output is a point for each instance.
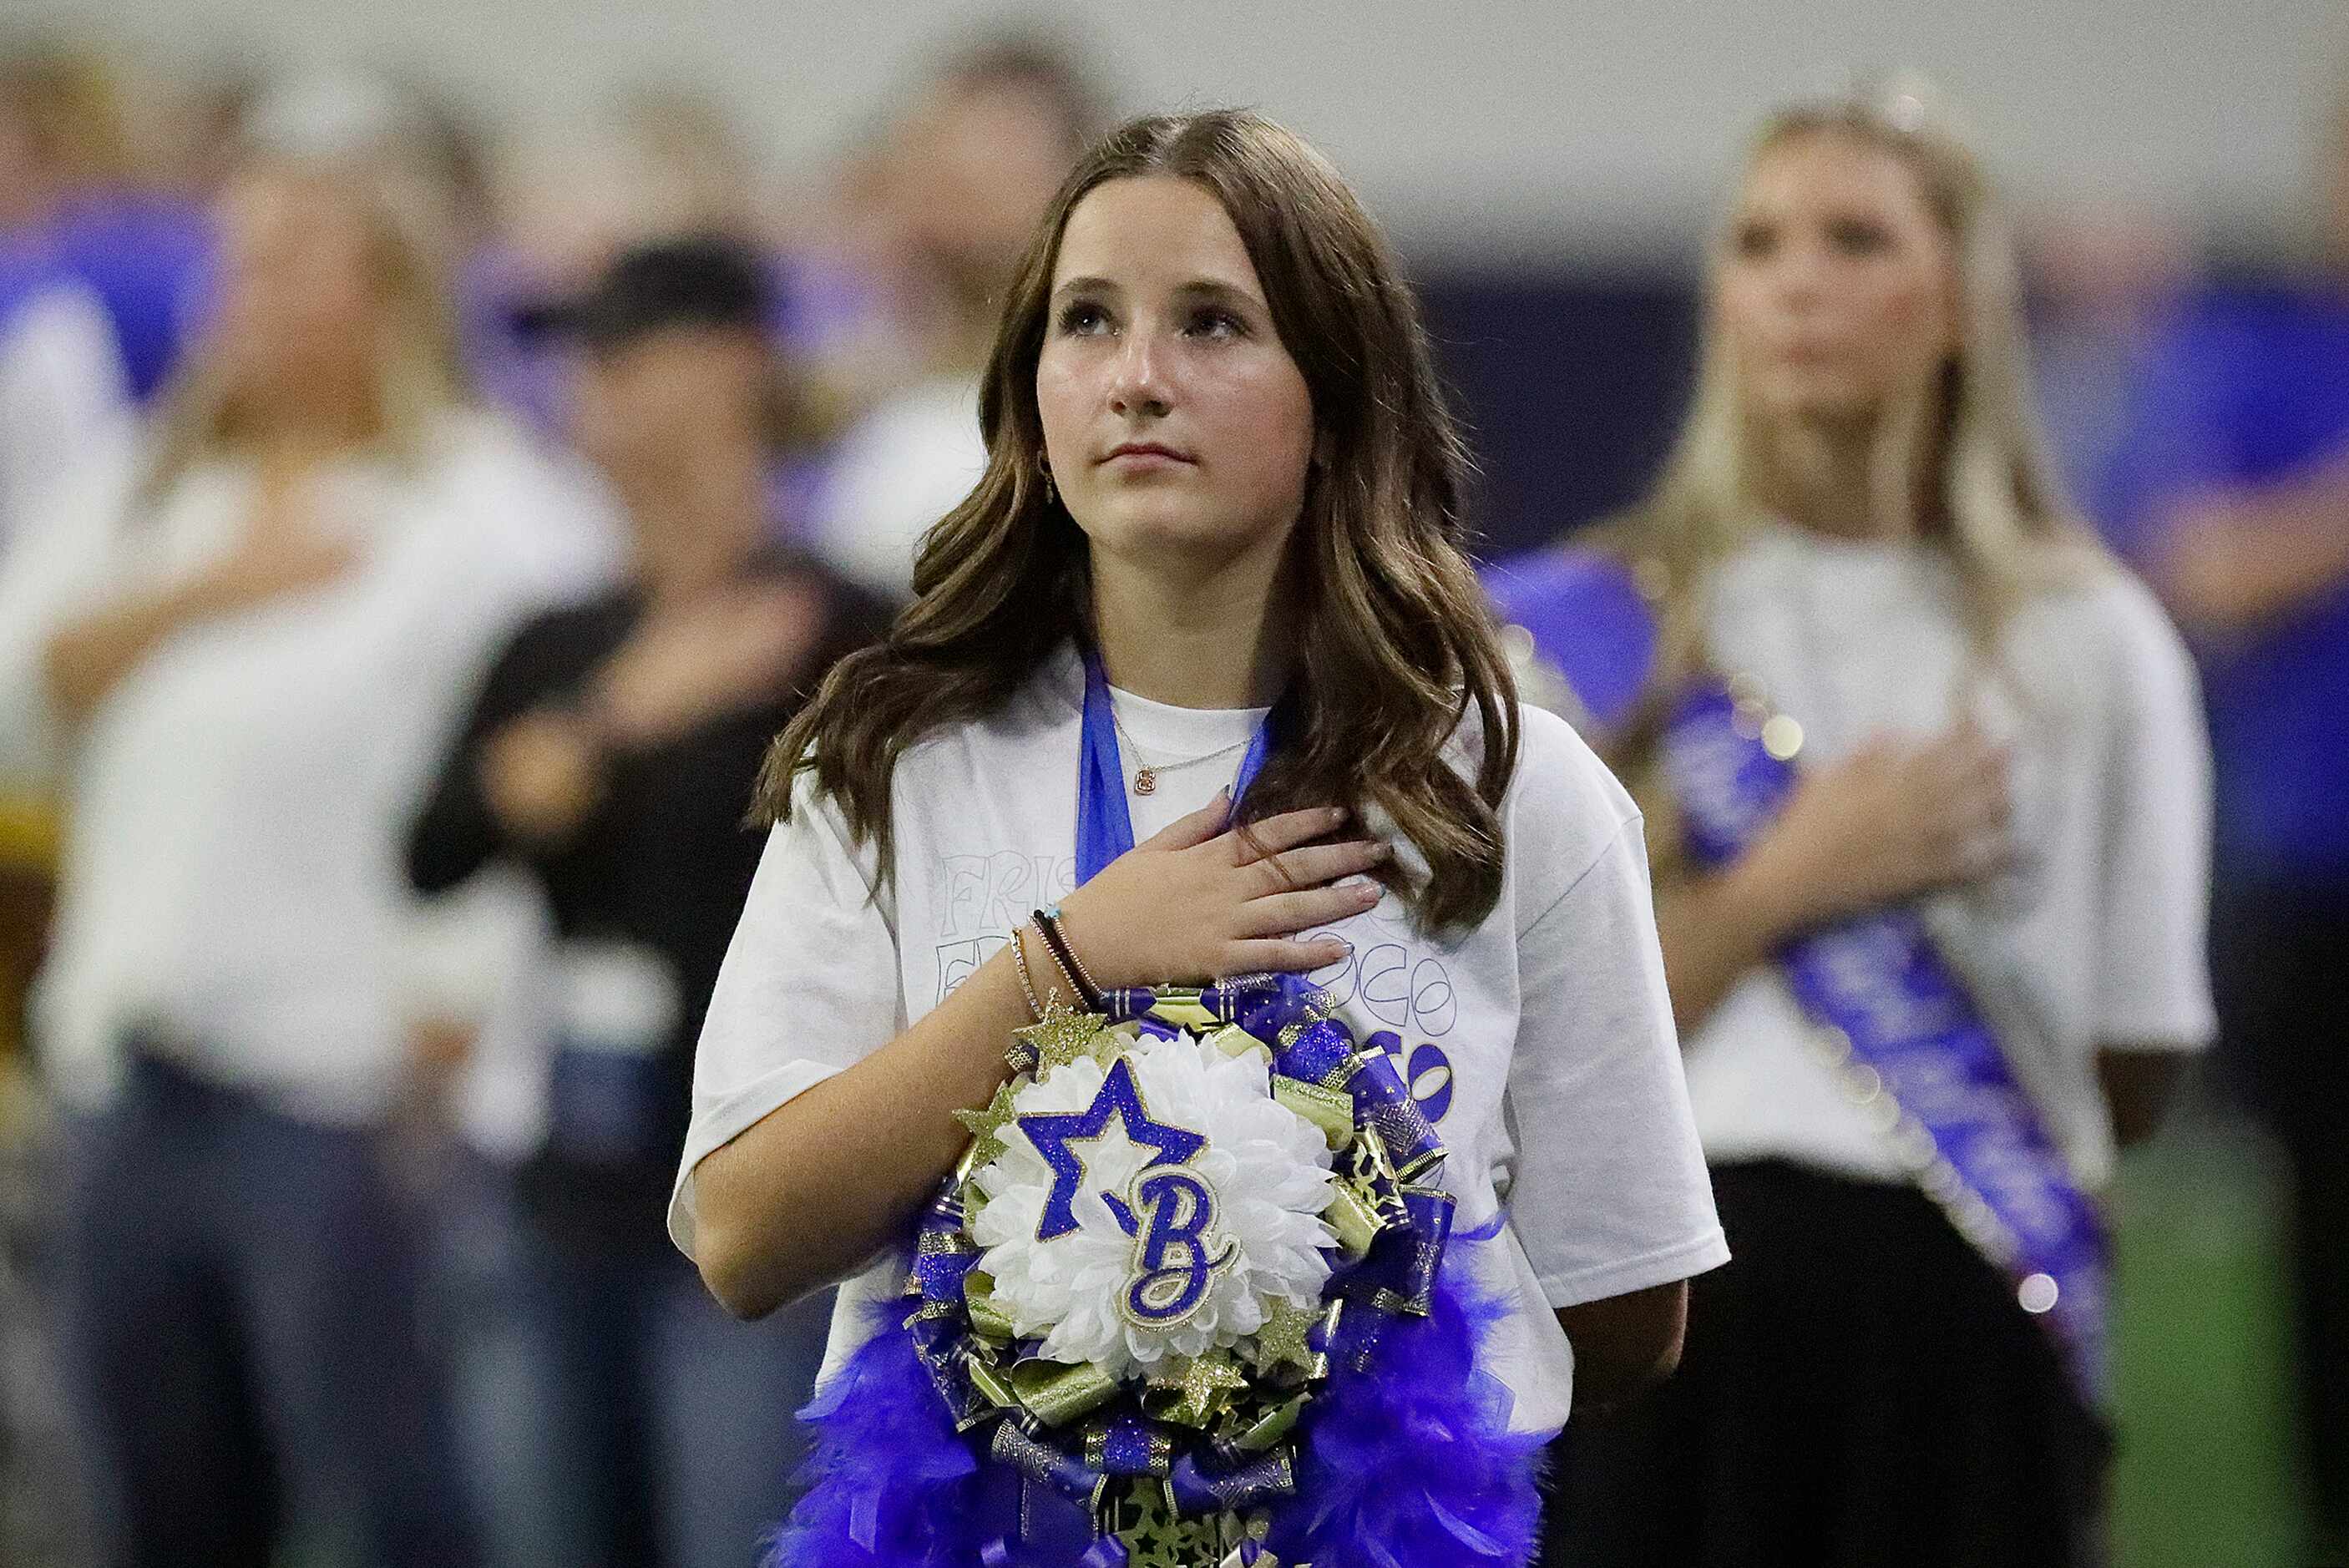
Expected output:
(1053, 1132)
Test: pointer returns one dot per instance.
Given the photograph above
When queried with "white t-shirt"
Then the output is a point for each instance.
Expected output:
(483, 956)
(2094, 938)
(903, 467)
(1541, 1043)
(62, 396)
(231, 879)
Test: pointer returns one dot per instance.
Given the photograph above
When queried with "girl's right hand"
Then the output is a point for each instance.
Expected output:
(1891, 820)
(1198, 903)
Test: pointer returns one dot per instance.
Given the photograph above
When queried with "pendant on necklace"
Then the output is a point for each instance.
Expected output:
(1145, 781)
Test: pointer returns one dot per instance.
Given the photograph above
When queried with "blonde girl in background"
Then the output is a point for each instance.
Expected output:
(237, 649)
(1996, 762)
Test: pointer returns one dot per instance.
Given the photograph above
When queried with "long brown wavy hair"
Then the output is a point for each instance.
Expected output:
(1394, 646)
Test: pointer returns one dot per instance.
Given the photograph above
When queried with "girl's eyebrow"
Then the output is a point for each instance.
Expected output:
(1213, 289)
(1218, 291)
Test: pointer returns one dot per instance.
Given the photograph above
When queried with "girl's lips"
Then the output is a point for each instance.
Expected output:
(1145, 452)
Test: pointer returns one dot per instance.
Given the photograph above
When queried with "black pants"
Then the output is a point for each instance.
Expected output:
(242, 1316)
(1859, 1390)
(2280, 959)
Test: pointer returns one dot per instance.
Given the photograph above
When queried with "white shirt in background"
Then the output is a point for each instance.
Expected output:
(903, 467)
(2094, 938)
(483, 957)
(1544, 1038)
(63, 397)
(232, 878)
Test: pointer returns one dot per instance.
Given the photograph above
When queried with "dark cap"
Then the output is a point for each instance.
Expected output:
(695, 282)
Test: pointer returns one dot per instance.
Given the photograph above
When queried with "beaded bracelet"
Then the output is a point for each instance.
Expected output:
(1084, 977)
(1048, 925)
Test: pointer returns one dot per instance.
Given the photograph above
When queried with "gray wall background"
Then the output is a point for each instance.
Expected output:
(1490, 132)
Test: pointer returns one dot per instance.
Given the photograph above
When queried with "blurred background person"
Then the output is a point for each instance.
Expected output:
(1997, 728)
(64, 389)
(78, 206)
(660, 164)
(2229, 489)
(237, 647)
(2103, 279)
(955, 191)
(612, 753)
(189, 131)
(63, 382)
(656, 163)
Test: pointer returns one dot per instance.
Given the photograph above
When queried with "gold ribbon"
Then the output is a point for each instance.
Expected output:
(990, 1383)
(1235, 1041)
(988, 1320)
(1325, 1109)
(1271, 1427)
(1058, 1392)
(1352, 1216)
(1185, 1013)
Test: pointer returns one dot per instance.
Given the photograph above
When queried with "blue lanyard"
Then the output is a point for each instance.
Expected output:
(1104, 820)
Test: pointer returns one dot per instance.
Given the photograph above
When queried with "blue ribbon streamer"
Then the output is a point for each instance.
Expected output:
(1260, 1482)
(1317, 1054)
(1382, 1104)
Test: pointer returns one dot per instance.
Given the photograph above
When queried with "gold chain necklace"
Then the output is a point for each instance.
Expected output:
(1145, 774)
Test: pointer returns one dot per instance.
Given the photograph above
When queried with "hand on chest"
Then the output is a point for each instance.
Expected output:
(1430, 1008)
(1896, 668)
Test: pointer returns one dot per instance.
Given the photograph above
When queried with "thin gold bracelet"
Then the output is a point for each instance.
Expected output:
(1020, 962)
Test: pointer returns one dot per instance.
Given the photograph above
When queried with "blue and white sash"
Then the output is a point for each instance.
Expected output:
(1884, 998)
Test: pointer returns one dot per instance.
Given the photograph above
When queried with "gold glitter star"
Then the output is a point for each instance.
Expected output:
(1200, 1388)
(1160, 1538)
(984, 1124)
(1060, 1037)
(1282, 1339)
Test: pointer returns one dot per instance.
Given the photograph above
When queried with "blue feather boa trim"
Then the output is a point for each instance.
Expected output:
(1411, 1467)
